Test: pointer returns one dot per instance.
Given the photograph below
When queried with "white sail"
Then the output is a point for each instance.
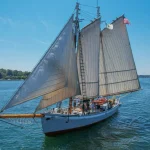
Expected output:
(72, 86)
(117, 68)
(52, 73)
(56, 96)
(88, 59)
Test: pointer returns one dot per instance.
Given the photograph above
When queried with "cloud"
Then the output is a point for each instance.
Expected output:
(45, 24)
(2, 19)
(8, 21)
(42, 42)
(8, 42)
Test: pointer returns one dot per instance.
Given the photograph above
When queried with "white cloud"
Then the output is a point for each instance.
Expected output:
(45, 24)
(2, 19)
(8, 42)
(42, 42)
(6, 21)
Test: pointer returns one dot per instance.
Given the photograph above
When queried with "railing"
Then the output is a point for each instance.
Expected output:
(79, 111)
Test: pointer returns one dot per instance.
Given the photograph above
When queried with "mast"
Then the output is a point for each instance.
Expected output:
(78, 44)
(77, 23)
(98, 11)
(77, 14)
(99, 16)
(101, 44)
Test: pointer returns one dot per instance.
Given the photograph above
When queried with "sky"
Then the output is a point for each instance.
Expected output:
(28, 27)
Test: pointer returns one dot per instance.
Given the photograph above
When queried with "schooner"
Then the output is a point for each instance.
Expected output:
(82, 64)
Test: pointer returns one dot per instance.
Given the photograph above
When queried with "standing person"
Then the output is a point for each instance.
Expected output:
(77, 101)
(88, 107)
(70, 106)
(74, 104)
(83, 108)
(93, 106)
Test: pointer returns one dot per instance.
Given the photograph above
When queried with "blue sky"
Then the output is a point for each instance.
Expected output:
(28, 27)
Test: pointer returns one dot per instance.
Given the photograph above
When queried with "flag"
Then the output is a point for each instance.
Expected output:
(126, 21)
(110, 26)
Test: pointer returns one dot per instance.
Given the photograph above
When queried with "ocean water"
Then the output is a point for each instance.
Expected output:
(127, 129)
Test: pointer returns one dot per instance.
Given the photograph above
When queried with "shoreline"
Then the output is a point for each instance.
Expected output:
(11, 79)
(140, 76)
(144, 76)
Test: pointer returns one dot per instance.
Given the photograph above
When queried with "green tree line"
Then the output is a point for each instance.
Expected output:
(13, 74)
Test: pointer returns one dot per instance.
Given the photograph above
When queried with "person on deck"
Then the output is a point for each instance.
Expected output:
(88, 107)
(93, 106)
(74, 104)
(83, 109)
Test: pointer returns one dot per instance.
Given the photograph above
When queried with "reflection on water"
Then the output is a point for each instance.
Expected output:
(104, 135)
(127, 129)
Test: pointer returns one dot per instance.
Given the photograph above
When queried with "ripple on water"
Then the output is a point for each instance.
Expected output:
(127, 129)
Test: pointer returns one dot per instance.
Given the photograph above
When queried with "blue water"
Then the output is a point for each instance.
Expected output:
(127, 129)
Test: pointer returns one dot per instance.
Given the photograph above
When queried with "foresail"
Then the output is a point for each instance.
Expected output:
(72, 86)
(88, 59)
(56, 96)
(117, 68)
(52, 72)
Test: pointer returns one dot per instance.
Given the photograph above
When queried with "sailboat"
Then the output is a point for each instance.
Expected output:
(87, 64)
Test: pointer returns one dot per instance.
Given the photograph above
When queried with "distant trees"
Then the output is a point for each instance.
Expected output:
(1, 76)
(144, 76)
(9, 72)
(13, 74)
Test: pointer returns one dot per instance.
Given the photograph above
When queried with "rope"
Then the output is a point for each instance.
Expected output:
(12, 124)
(88, 6)
(36, 122)
(87, 12)
(124, 95)
(86, 18)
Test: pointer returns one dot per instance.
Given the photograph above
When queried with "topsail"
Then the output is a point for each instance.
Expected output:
(53, 72)
(117, 68)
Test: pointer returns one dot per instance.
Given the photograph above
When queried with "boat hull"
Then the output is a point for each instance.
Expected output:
(59, 124)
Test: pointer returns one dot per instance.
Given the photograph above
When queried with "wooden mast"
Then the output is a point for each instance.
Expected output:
(21, 116)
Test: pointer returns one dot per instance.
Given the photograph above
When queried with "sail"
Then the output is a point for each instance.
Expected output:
(117, 68)
(56, 96)
(72, 86)
(88, 59)
(52, 73)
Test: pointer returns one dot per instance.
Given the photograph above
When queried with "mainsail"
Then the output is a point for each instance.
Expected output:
(88, 59)
(54, 73)
(117, 68)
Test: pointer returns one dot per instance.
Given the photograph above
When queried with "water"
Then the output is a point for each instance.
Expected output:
(127, 129)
